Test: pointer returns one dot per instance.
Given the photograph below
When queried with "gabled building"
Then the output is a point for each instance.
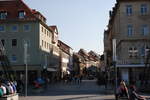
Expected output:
(65, 58)
(85, 56)
(54, 70)
(94, 59)
(78, 64)
(24, 32)
(85, 60)
(129, 25)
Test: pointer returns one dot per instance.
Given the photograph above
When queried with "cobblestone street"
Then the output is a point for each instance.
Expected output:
(87, 90)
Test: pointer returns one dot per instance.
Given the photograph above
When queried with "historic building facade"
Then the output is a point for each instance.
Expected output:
(129, 25)
(27, 38)
(65, 58)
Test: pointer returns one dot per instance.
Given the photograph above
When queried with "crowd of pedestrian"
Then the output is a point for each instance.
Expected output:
(77, 79)
(7, 87)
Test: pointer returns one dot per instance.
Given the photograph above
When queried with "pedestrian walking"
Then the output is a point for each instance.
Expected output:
(122, 90)
(81, 78)
(75, 79)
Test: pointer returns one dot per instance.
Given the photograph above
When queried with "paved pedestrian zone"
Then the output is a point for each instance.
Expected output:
(87, 90)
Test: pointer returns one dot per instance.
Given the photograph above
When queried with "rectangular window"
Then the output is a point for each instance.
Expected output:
(26, 28)
(21, 14)
(2, 28)
(135, 52)
(42, 29)
(45, 44)
(3, 15)
(143, 9)
(129, 10)
(142, 54)
(42, 42)
(13, 58)
(14, 28)
(145, 30)
(14, 42)
(45, 31)
(130, 30)
(130, 52)
(3, 42)
(147, 50)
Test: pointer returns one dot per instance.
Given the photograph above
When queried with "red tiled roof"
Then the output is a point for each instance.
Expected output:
(82, 51)
(38, 13)
(59, 41)
(13, 6)
(64, 47)
(53, 28)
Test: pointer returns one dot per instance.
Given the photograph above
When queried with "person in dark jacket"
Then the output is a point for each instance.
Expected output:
(134, 95)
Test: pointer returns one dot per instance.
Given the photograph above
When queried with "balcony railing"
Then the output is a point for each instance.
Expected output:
(131, 61)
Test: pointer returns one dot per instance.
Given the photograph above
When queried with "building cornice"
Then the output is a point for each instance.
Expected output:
(132, 40)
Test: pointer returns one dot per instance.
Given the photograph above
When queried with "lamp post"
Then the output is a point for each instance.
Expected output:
(26, 67)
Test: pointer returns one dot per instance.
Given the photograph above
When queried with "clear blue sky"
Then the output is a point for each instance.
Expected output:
(81, 23)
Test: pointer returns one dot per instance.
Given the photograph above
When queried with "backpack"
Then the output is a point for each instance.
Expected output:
(1, 92)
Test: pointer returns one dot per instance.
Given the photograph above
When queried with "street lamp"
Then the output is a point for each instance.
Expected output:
(26, 66)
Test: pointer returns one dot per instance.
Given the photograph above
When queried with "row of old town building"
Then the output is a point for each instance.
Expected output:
(127, 40)
(27, 39)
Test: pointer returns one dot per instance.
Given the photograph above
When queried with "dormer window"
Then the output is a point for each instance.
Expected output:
(3, 14)
(21, 14)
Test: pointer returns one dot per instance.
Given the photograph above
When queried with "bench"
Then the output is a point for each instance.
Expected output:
(10, 97)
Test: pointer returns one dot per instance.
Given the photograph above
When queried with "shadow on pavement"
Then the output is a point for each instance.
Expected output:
(85, 97)
(67, 92)
(75, 98)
